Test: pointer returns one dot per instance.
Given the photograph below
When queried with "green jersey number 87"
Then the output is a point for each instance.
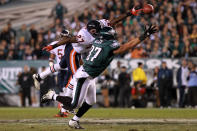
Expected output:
(94, 49)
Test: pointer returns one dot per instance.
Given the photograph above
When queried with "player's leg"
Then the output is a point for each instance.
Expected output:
(54, 68)
(68, 90)
(50, 70)
(88, 92)
(66, 98)
(63, 78)
(73, 64)
(79, 94)
(38, 77)
(68, 76)
(91, 94)
(90, 100)
(72, 60)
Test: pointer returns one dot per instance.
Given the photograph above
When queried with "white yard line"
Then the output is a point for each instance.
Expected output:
(103, 121)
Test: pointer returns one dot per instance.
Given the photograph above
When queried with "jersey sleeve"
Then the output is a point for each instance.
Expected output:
(84, 37)
(115, 45)
(104, 23)
(53, 51)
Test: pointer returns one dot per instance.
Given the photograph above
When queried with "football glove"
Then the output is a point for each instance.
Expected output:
(148, 31)
(48, 48)
(135, 10)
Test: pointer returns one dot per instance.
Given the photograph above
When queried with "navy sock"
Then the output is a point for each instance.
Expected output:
(65, 100)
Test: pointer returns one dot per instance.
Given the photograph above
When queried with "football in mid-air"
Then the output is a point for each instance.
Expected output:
(148, 8)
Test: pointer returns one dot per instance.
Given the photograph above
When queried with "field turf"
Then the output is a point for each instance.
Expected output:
(101, 119)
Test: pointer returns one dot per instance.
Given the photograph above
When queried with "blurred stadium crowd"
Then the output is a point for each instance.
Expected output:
(176, 19)
(2, 2)
(131, 89)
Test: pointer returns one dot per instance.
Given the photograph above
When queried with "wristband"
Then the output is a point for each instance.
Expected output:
(51, 63)
(142, 37)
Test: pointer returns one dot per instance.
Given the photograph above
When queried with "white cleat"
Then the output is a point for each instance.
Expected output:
(37, 80)
(70, 111)
(48, 96)
(74, 124)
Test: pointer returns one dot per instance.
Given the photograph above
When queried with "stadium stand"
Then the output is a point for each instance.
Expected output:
(177, 37)
(3, 2)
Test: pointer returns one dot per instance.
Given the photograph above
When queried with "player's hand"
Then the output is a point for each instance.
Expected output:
(150, 30)
(135, 10)
(48, 48)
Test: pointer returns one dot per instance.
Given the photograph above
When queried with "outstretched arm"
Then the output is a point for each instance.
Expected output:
(118, 19)
(65, 40)
(133, 43)
(131, 12)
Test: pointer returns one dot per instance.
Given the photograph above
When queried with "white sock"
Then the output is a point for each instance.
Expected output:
(54, 97)
(62, 109)
(76, 118)
(49, 71)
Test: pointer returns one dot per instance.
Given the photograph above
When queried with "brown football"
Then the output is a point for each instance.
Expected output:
(148, 8)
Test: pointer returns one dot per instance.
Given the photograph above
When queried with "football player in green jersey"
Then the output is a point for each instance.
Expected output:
(104, 48)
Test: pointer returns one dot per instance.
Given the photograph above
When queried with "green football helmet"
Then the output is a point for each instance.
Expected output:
(108, 33)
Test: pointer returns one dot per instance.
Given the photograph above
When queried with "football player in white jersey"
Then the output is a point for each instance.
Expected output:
(56, 54)
(81, 44)
(55, 58)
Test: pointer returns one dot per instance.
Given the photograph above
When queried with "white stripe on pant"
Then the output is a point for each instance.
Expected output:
(87, 91)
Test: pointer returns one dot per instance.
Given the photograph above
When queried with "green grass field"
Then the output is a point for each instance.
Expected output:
(104, 119)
